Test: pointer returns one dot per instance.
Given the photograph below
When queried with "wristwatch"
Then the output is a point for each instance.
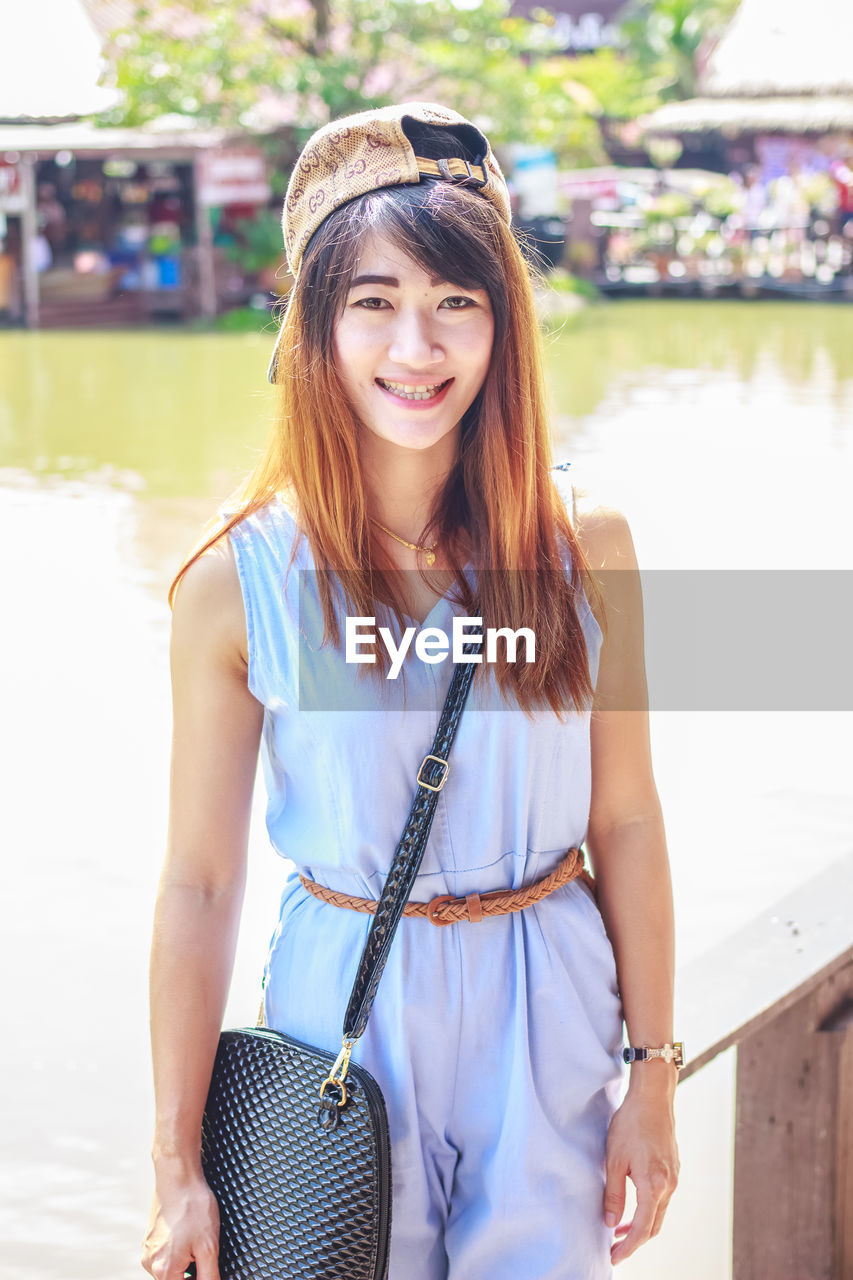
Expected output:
(669, 1052)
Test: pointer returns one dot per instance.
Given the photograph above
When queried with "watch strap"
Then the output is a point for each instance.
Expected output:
(642, 1053)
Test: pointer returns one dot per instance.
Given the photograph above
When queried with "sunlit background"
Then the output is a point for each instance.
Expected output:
(720, 425)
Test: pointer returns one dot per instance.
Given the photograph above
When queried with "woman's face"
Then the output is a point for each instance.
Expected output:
(411, 351)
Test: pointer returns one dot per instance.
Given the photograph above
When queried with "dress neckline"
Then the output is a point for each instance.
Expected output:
(440, 602)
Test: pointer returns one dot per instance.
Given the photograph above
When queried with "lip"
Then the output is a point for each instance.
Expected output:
(415, 404)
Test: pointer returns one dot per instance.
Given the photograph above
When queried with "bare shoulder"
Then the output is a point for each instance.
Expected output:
(208, 613)
(602, 531)
(289, 501)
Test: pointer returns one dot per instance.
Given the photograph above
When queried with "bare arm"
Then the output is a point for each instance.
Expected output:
(216, 734)
(626, 839)
(627, 847)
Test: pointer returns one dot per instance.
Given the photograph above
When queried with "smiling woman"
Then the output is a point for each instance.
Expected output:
(411, 445)
(405, 346)
(411, 336)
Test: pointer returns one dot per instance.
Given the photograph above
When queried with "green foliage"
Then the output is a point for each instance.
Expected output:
(605, 83)
(259, 243)
(665, 39)
(667, 207)
(236, 320)
(222, 61)
(570, 96)
(722, 199)
(215, 60)
(818, 190)
(562, 281)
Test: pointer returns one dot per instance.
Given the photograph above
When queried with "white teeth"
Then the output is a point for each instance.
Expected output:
(411, 393)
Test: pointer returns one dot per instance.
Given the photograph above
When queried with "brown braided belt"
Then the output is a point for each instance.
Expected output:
(474, 906)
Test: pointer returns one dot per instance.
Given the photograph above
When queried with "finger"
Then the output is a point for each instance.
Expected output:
(614, 1194)
(641, 1227)
(668, 1191)
(660, 1215)
(207, 1263)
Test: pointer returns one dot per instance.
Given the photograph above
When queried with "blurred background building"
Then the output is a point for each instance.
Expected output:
(774, 119)
(648, 151)
(104, 225)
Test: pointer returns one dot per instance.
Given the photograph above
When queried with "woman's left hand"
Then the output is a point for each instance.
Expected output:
(641, 1144)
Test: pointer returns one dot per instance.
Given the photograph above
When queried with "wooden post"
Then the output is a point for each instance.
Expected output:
(204, 237)
(793, 1122)
(29, 230)
(781, 990)
(840, 1026)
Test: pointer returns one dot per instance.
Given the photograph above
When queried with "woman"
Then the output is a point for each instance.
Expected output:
(410, 465)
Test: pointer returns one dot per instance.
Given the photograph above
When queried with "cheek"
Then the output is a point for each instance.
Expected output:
(476, 345)
(353, 348)
(346, 354)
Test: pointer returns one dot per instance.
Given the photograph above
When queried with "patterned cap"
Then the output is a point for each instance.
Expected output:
(364, 152)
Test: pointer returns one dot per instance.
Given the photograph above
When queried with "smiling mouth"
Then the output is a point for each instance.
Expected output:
(406, 391)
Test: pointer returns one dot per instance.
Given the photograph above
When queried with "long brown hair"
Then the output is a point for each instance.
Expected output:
(499, 493)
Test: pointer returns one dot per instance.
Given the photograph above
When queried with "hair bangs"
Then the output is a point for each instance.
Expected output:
(448, 231)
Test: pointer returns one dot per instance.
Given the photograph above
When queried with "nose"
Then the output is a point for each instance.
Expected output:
(414, 342)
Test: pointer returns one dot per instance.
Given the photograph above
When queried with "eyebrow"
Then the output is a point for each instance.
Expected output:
(391, 281)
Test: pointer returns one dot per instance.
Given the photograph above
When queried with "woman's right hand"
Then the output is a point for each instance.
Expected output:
(215, 741)
(183, 1227)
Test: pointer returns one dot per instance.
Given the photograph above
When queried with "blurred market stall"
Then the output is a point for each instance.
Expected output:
(761, 199)
(116, 226)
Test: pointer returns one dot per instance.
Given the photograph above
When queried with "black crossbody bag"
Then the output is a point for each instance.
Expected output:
(294, 1142)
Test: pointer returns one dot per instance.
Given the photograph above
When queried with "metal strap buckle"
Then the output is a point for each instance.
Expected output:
(429, 786)
(475, 181)
(444, 169)
(341, 1066)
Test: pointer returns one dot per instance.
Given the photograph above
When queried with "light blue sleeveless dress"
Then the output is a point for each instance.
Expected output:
(497, 1044)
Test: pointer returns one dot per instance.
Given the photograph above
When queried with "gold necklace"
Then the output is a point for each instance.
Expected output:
(429, 552)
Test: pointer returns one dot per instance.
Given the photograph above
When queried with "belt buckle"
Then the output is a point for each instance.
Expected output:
(434, 905)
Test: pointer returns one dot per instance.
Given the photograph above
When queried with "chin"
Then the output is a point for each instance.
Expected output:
(411, 437)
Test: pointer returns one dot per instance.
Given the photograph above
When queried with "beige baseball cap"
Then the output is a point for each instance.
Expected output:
(364, 152)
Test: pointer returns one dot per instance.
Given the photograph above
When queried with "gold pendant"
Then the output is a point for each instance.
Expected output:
(430, 559)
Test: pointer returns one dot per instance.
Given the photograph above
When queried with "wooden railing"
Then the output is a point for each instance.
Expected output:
(781, 991)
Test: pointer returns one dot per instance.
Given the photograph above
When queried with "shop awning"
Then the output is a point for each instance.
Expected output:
(733, 116)
(776, 48)
(83, 138)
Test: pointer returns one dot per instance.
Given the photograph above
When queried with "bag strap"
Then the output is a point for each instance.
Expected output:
(408, 856)
(405, 864)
